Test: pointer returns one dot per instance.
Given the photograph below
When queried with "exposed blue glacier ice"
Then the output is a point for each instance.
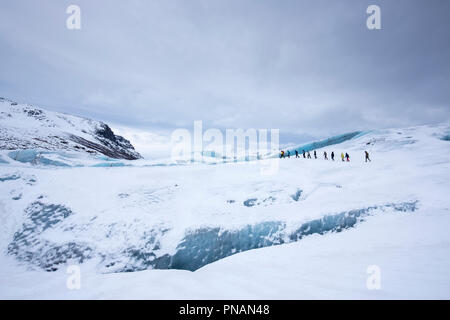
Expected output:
(35, 157)
(328, 142)
(110, 164)
(207, 245)
(250, 202)
(28, 245)
(8, 177)
(65, 159)
(297, 195)
(23, 155)
(198, 247)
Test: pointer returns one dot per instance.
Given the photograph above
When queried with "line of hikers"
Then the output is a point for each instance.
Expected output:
(344, 157)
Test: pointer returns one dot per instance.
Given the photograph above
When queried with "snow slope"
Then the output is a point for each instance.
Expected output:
(27, 127)
(311, 230)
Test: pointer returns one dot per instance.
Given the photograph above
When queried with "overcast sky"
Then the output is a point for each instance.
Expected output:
(310, 68)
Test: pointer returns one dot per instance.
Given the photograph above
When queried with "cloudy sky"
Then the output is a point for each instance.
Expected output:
(309, 68)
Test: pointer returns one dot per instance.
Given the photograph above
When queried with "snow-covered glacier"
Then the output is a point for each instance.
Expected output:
(196, 249)
(141, 225)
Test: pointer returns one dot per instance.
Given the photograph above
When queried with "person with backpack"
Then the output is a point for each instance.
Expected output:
(325, 155)
(347, 157)
(367, 156)
(332, 155)
(296, 153)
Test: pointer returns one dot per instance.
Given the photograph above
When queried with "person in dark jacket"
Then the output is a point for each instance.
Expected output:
(282, 154)
(315, 154)
(367, 157)
(304, 154)
(309, 155)
(347, 157)
(296, 153)
(289, 154)
(325, 155)
(332, 155)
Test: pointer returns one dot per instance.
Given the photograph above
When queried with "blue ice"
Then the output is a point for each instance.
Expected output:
(329, 141)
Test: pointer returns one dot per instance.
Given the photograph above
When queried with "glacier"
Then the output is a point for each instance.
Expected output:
(128, 222)
(328, 142)
(207, 245)
(196, 249)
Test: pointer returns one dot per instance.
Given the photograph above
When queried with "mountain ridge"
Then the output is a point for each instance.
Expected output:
(24, 126)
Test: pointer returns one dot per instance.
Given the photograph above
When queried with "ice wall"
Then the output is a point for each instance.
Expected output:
(33, 243)
(327, 142)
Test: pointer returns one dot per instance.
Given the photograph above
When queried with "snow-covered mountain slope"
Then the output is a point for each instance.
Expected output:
(316, 225)
(27, 127)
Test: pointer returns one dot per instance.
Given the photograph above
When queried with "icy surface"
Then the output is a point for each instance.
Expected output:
(308, 231)
(327, 142)
(28, 246)
(197, 248)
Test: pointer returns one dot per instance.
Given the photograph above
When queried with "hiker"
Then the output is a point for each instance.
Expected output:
(367, 156)
(309, 155)
(347, 157)
(289, 154)
(304, 156)
(296, 153)
(342, 156)
(315, 154)
(282, 154)
(325, 155)
(332, 155)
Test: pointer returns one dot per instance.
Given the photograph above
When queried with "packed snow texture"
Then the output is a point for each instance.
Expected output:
(310, 230)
